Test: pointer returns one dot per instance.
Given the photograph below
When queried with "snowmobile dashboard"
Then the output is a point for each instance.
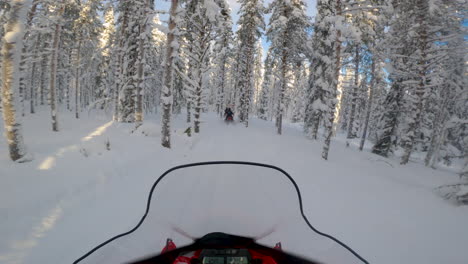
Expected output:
(220, 248)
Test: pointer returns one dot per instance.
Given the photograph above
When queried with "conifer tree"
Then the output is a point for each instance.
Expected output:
(11, 54)
(251, 24)
(287, 32)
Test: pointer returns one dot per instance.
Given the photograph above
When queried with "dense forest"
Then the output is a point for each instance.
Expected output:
(390, 72)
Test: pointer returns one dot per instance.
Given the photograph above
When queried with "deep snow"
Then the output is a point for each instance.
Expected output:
(75, 193)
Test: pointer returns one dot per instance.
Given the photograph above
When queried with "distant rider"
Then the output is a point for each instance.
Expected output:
(228, 114)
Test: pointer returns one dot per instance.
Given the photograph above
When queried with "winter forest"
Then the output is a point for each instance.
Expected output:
(389, 72)
(388, 77)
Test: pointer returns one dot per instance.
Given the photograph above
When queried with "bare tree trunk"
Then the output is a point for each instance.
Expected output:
(369, 106)
(42, 87)
(284, 83)
(198, 98)
(53, 77)
(32, 91)
(140, 70)
(77, 80)
(11, 53)
(351, 133)
(118, 80)
(246, 81)
(284, 69)
(22, 82)
(438, 136)
(189, 112)
(168, 82)
(32, 88)
(221, 96)
(68, 82)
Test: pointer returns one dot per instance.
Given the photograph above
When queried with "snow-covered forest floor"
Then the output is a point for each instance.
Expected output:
(90, 181)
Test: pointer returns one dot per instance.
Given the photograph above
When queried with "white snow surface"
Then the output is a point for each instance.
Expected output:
(76, 194)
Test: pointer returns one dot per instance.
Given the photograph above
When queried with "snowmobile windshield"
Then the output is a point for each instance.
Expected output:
(244, 199)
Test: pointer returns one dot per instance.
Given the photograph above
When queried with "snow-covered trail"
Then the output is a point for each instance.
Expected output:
(76, 193)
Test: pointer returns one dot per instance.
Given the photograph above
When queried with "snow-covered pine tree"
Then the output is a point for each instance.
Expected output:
(106, 44)
(118, 55)
(11, 55)
(179, 74)
(56, 14)
(130, 34)
(258, 75)
(372, 31)
(450, 97)
(250, 29)
(398, 48)
(287, 32)
(145, 15)
(167, 99)
(86, 29)
(25, 57)
(326, 66)
(330, 91)
(235, 72)
(4, 8)
(155, 71)
(420, 77)
(45, 26)
(299, 93)
(202, 17)
(185, 61)
(464, 171)
(267, 86)
(223, 51)
(362, 18)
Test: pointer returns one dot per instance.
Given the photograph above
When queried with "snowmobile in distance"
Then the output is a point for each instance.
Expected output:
(228, 115)
(223, 213)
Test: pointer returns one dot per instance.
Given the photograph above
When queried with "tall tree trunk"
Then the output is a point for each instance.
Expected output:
(77, 80)
(189, 118)
(118, 80)
(44, 66)
(415, 124)
(141, 62)
(284, 83)
(389, 119)
(334, 87)
(369, 106)
(32, 82)
(198, 100)
(222, 88)
(199, 76)
(246, 81)
(22, 82)
(438, 133)
(32, 91)
(11, 52)
(168, 82)
(53, 75)
(68, 82)
(351, 133)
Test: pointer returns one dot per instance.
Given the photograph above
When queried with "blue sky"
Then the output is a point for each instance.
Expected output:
(311, 11)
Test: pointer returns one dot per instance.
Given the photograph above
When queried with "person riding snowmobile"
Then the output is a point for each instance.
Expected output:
(228, 114)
